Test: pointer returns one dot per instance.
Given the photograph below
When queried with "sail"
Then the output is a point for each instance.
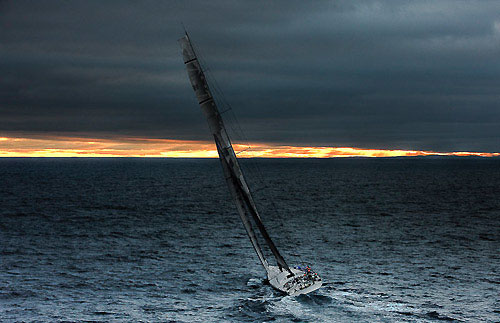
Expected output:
(242, 211)
(232, 171)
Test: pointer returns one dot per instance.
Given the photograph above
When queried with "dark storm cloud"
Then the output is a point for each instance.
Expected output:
(372, 74)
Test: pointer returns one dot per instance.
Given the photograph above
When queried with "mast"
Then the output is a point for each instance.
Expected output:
(230, 166)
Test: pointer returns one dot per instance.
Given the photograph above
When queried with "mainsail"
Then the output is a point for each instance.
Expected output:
(232, 171)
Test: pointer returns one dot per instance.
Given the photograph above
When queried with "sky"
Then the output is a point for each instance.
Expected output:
(374, 75)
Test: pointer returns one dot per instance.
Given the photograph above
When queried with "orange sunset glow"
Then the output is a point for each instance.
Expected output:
(143, 147)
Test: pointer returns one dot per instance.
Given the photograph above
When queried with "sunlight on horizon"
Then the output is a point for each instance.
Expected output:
(144, 147)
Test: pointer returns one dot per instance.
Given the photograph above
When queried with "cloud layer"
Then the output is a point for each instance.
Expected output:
(415, 75)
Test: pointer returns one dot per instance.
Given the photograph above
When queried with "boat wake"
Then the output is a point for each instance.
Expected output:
(314, 299)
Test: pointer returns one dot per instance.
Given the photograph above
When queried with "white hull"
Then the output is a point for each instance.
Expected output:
(294, 285)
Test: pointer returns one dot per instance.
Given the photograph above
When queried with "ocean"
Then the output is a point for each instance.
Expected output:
(159, 240)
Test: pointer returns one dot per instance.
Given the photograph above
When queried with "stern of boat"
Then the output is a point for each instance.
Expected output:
(303, 280)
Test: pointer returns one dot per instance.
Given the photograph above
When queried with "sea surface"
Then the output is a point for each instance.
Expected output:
(159, 240)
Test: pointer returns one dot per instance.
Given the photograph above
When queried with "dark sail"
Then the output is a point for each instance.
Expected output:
(232, 171)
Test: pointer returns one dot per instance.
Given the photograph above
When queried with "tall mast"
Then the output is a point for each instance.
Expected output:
(232, 171)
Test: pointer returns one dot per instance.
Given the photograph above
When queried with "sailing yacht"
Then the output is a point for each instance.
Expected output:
(292, 281)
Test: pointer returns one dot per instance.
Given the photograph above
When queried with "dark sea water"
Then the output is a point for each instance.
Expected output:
(154, 240)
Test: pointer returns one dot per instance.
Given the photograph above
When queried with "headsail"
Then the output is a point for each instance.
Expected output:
(232, 171)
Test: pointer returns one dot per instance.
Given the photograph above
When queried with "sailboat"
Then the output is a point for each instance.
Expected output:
(292, 281)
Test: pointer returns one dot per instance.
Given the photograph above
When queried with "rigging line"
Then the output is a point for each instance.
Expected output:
(253, 164)
(255, 169)
(240, 128)
(221, 100)
(260, 178)
(243, 150)
(224, 102)
(219, 97)
(207, 70)
(231, 125)
(215, 86)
